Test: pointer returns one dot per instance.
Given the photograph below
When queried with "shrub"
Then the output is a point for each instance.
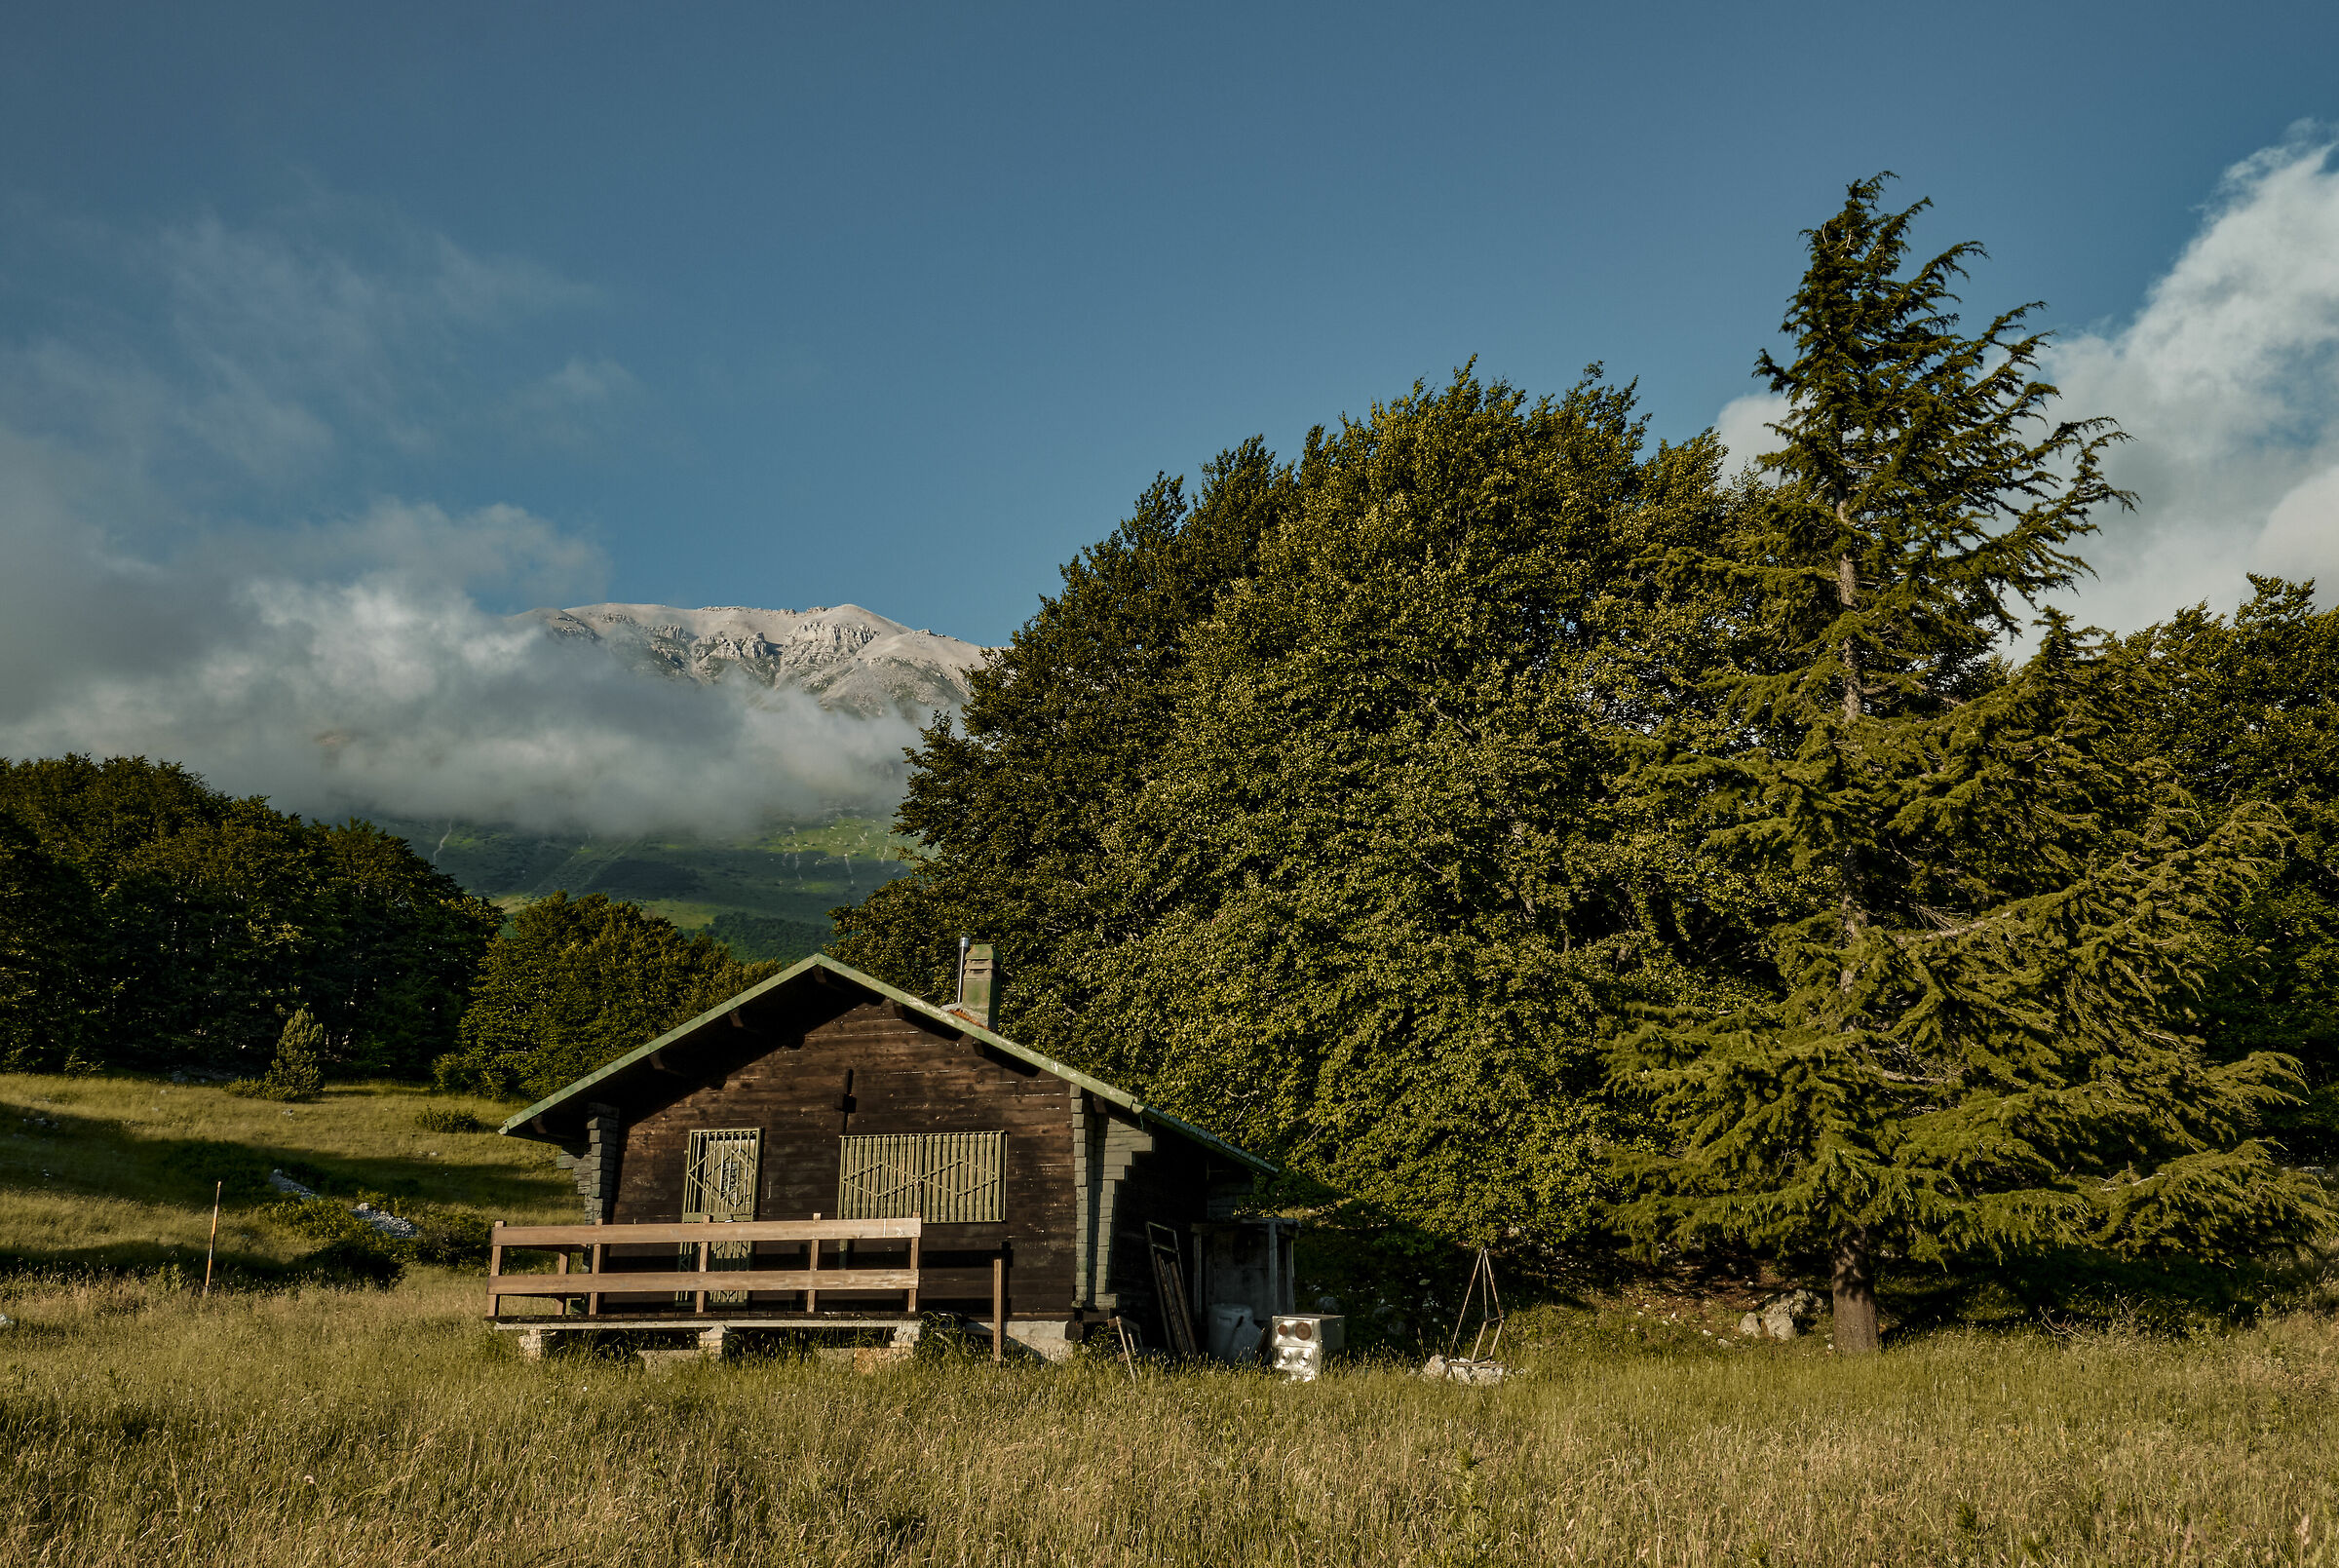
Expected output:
(451, 1238)
(447, 1119)
(362, 1262)
(445, 1235)
(295, 1073)
(244, 1170)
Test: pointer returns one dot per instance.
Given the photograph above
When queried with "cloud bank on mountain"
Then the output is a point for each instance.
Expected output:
(384, 686)
(342, 657)
(2227, 383)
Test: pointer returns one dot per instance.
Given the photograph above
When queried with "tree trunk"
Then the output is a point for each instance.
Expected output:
(1855, 1275)
(1855, 1287)
(1847, 594)
(1851, 912)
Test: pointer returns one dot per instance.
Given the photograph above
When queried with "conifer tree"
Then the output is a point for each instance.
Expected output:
(2247, 709)
(298, 1072)
(1979, 1047)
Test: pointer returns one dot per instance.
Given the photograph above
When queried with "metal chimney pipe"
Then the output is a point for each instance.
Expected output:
(964, 943)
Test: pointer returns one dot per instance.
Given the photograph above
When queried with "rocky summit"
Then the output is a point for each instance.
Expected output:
(846, 658)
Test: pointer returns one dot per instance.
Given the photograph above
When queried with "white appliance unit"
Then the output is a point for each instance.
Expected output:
(1300, 1343)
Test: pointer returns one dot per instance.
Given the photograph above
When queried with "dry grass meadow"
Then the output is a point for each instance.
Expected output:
(322, 1427)
(284, 1423)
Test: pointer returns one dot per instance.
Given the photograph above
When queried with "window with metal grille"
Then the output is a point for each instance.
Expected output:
(718, 1176)
(718, 1186)
(946, 1178)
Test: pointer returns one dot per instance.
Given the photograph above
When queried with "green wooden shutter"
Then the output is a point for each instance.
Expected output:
(719, 1171)
(878, 1177)
(962, 1177)
(946, 1178)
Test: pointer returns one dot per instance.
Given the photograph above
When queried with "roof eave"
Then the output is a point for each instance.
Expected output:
(519, 1126)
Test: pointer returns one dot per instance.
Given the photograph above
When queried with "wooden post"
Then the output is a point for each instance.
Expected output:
(495, 1266)
(999, 1308)
(913, 1269)
(1128, 1351)
(701, 1295)
(592, 1299)
(561, 1267)
(217, 1187)
(812, 1297)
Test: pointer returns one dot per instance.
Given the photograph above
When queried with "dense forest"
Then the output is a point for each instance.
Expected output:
(1541, 836)
(154, 923)
(149, 922)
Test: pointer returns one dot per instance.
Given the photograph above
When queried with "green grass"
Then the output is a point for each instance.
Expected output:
(320, 1427)
(116, 1171)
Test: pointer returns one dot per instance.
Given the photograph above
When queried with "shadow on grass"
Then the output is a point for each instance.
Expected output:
(54, 1152)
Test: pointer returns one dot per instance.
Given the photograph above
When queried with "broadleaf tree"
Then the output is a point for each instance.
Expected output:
(48, 920)
(1981, 1046)
(577, 982)
(1014, 802)
(1300, 812)
(2246, 710)
(203, 919)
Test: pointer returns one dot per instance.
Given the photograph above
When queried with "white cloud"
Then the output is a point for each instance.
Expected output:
(272, 356)
(356, 674)
(2227, 382)
(1744, 426)
(337, 657)
(574, 405)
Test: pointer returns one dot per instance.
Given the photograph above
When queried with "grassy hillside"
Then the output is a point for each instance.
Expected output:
(794, 871)
(117, 1172)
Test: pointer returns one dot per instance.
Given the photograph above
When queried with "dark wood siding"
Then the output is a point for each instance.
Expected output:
(1167, 1186)
(790, 1078)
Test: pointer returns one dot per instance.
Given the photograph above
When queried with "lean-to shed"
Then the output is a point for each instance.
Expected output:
(962, 1162)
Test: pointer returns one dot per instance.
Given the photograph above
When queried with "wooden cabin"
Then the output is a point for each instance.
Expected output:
(824, 1151)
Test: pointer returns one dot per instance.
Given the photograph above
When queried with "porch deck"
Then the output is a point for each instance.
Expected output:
(594, 1288)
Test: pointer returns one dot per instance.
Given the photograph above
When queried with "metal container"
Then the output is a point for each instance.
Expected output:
(1300, 1342)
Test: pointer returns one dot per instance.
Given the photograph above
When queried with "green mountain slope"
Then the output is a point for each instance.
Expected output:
(767, 896)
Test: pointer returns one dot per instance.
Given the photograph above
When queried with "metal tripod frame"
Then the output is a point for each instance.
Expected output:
(1481, 1277)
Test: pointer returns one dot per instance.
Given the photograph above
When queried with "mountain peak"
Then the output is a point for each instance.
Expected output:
(843, 656)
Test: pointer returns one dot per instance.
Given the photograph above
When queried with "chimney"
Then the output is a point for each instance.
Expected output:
(977, 981)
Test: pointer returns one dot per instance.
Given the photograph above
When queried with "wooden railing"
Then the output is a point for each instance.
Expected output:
(594, 1242)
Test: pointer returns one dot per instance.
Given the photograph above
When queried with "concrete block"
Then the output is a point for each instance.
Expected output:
(665, 1361)
(1051, 1341)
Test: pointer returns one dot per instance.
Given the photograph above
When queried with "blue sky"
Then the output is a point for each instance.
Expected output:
(902, 305)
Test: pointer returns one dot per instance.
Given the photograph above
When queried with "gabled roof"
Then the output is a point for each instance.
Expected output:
(957, 1022)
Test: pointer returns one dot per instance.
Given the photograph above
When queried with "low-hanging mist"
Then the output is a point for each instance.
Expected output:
(198, 560)
(368, 681)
